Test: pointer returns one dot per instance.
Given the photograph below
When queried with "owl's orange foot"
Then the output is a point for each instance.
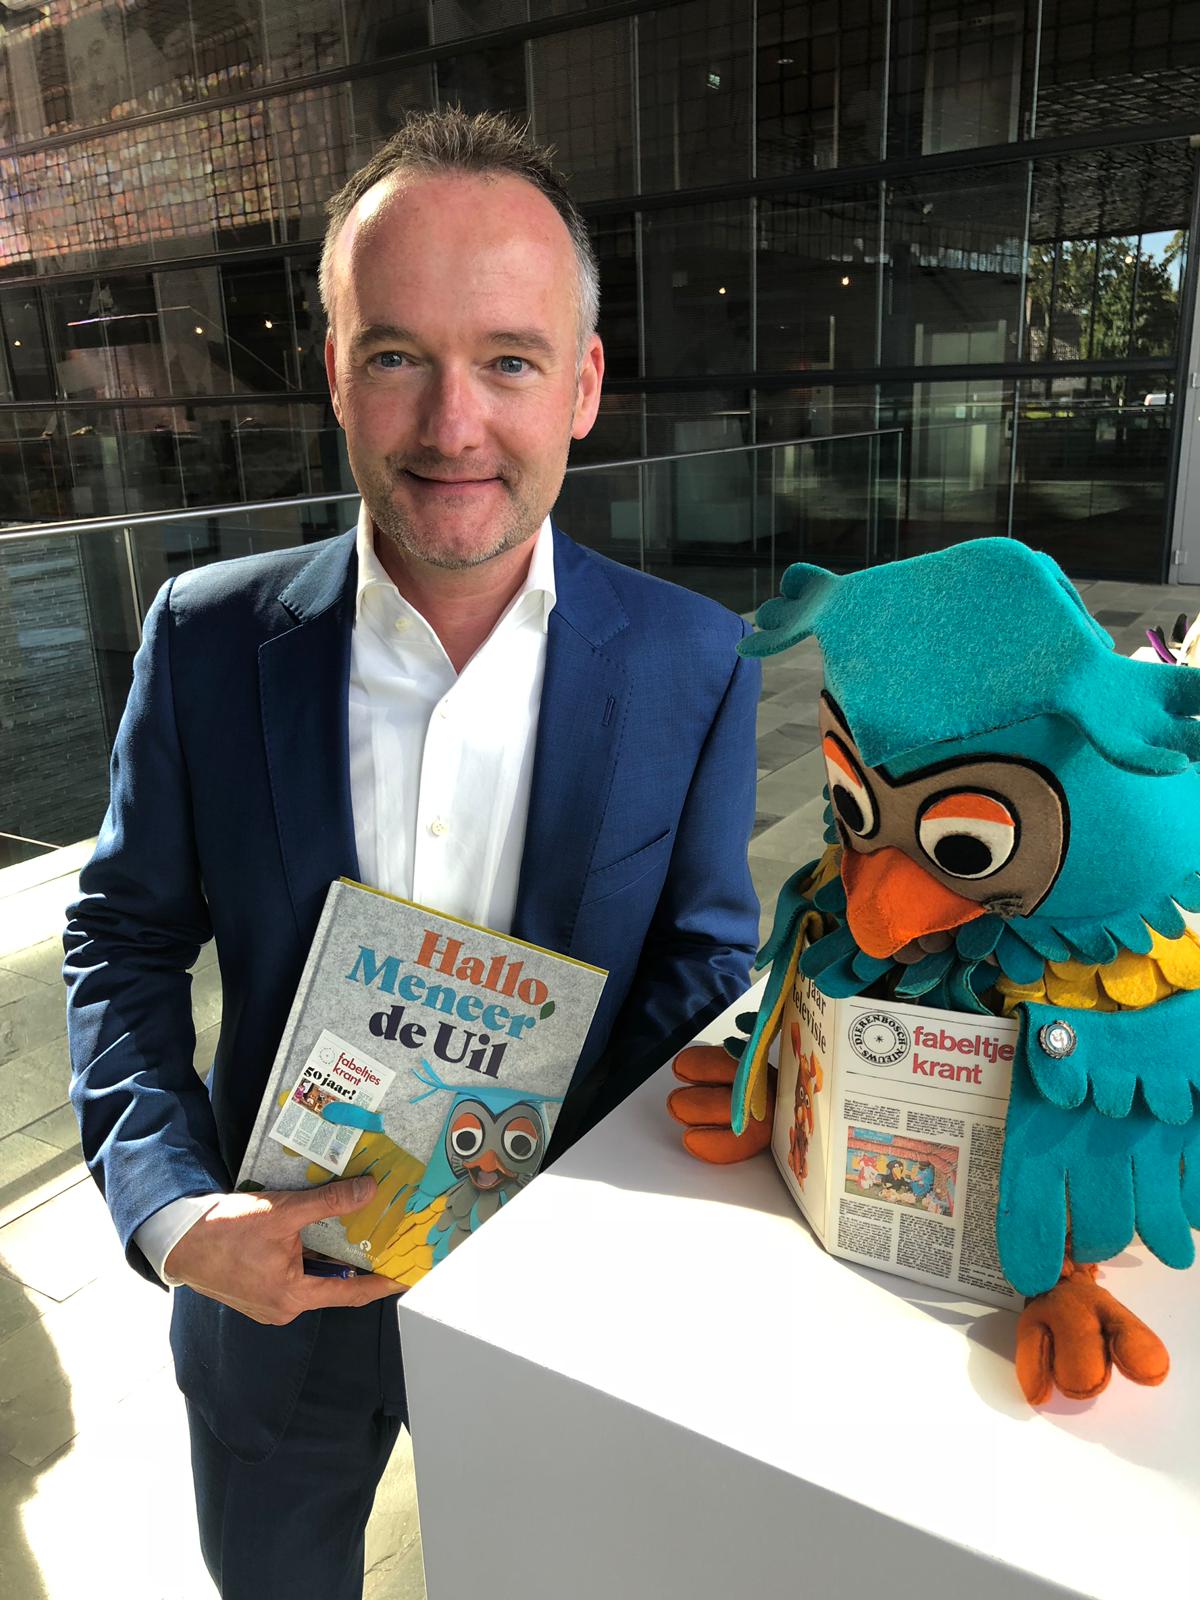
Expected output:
(705, 1107)
(1069, 1338)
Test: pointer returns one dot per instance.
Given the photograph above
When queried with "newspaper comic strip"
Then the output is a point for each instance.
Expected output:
(889, 1127)
(334, 1072)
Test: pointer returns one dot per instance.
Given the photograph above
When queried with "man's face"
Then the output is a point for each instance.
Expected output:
(453, 361)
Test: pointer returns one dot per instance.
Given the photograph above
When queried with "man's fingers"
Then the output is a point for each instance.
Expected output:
(705, 1063)
(338, 1199)
(699, 1106)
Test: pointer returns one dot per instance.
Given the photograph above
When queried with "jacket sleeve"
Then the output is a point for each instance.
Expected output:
(146, 1123)
(701, 942)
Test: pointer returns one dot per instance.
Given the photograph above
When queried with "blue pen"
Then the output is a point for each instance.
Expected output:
(328, 1269)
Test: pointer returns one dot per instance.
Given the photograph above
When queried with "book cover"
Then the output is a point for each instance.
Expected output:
(429, 1053)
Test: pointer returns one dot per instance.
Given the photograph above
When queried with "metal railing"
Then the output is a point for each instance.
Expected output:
(73, 594)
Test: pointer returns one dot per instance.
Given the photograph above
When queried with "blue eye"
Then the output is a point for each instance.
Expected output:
(390, 360)
(512, 366)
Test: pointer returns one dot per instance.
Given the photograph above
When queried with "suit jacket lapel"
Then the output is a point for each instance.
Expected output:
(304, 674)
(584, 699)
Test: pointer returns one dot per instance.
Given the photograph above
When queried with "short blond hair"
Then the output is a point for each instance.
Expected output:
(450, 141)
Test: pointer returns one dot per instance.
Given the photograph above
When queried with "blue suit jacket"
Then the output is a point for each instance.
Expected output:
(231, 813)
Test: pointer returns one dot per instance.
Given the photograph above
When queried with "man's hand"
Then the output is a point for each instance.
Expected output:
(246, 1252)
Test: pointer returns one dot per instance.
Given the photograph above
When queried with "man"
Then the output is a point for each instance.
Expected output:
(452, 702)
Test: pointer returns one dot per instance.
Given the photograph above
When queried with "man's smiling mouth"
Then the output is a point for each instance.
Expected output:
(427, 481)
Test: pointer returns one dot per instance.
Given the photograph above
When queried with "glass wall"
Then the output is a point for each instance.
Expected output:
(800, 208)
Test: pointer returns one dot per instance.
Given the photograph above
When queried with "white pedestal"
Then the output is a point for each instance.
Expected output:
(645, 1380)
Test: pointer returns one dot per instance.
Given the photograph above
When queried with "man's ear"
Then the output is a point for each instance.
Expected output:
(587, 397)
(331, 377)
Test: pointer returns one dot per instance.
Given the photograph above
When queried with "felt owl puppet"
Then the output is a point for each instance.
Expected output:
(1013, 827)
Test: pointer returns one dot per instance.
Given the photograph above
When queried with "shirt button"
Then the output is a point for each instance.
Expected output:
(438, 827)
(401, 624)
(443, 710)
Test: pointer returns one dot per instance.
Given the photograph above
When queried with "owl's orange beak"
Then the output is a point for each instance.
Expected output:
(890, 901)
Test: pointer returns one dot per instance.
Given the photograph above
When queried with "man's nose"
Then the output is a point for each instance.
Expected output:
(451, 414)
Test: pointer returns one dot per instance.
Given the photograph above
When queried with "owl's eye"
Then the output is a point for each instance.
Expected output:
(848, 792)
(466, 1136)
(520, 1139)
(967, 834)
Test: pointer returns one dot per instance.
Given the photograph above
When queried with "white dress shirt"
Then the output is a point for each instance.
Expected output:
(441, 765)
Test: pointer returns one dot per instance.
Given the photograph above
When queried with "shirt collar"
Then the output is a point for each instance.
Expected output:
(539, 580)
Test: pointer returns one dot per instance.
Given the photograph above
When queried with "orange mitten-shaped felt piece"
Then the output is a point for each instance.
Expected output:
(705, 1107)
(1069, 1338)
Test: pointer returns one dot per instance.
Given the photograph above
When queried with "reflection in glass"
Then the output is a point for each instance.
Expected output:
(814, 410)
(1108, 242)
(29, 362)
(105, 336)
(818, 280)
(53, 780)
(313, 144)
(379, 28)
(601, 508)
(706, 419)
(1095, 63)
(170, 188)
(821, 71)
(305, 36)
(98, 473)
(835, 502)
(35, 485)
(484, 80)
(614, 240)
(191, 319)
(617, 432)
(97, 67)
(960, 448)
(707, 524)
(162, 66)
(163, 549)
(957, 73)
(262, 344)
(696, 289)
(1092, 465)
(695, 94)
(955, 247)
(459, 19)
(381, 103)
(309, 322)
(582, 104)
(227, 37)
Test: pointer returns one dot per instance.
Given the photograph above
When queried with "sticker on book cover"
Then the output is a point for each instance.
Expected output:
(336, 1074)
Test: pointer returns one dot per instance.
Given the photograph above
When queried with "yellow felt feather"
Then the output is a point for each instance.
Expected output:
(812, 927)
(1130, 983)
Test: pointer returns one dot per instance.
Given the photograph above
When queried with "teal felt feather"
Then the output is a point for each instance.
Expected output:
(1125, 1176)
(1111, 1125)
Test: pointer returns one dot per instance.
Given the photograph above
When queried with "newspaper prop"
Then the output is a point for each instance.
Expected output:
(889, 1127)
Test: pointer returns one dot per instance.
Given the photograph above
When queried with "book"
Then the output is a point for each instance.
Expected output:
(429, 1053)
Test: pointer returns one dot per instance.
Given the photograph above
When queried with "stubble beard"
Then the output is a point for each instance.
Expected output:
(411, 539)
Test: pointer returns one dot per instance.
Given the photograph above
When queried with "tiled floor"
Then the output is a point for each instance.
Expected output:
(91, 1424)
